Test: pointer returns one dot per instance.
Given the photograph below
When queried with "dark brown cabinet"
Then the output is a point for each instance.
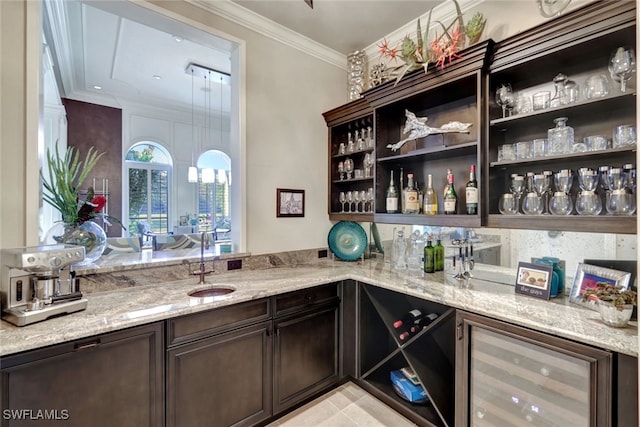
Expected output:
(306, 346)
(578, 45)
(115, 379)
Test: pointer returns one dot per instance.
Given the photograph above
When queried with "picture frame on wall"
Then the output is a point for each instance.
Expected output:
(534, 280)
(184, 220)
(588, 276)
(289, 203)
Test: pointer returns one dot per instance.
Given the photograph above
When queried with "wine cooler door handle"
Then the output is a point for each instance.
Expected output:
(459, 331)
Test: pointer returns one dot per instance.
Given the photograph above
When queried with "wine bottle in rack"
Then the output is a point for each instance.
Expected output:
(471, 192)
(403, 325)
(423, 322)
(392, 197)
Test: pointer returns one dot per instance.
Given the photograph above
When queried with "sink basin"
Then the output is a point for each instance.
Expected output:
(217, 291)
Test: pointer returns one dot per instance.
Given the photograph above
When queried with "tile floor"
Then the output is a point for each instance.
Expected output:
(346, 406)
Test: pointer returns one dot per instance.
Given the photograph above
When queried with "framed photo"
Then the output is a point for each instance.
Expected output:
(289, 203)
(534, 280)
(587, 276)
(184, 220)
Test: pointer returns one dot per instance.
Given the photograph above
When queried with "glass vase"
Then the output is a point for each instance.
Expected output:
(88, 234)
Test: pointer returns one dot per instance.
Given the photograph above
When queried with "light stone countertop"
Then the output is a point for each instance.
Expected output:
(124, 308)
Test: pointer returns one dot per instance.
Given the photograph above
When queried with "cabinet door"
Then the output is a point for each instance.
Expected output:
(511, 376)
(221, 381)
(305, 356)
(110, 380)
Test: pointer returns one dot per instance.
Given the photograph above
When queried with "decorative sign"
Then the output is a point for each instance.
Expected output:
(534, 280)
(289, 203)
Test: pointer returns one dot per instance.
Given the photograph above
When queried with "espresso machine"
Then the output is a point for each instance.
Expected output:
(39, 283)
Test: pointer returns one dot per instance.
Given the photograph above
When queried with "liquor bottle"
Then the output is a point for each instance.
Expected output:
(430, 198)
(392, 197)
(429, 258)
(403, 326)
(450, 196)
(420, 195)
(422, 322)
(471, 192)
(438, 257)
(401, 187)
(410, 203)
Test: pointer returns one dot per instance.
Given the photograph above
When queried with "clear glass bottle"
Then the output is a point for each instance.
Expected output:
(392, 197)
(430, 203)
(560, 137)
(410, 201)
(450, 196)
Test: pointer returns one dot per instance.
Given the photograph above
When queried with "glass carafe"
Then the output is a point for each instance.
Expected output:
(560, 137)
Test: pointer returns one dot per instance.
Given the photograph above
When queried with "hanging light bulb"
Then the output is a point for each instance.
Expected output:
(192, 174)
(208, 176)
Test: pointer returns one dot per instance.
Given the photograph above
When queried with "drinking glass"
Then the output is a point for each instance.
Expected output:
(343, 199)
(342, 148)
(596, 86)
(617, 179)
(363, 200)
(356, 199)
(563, 180)
(348, 167)
(539, 147)
(541, 185)
(532, 204)
(370, 198)
(505, 98)
(588, 203)
(624, 135)
(517, 187)
(350, 200)
(619, 202)
(366, 164)
(621, 65)
(595, 142)
(523, 150)
(588, 179)
(341, 170)
(560, 204)
(507, 205)
(541, 100)
(399, 251)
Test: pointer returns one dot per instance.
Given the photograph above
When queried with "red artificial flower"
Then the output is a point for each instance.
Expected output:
(99, 202)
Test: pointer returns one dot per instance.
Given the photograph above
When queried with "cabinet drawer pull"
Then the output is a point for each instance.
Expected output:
(459, 331)
(87, 346)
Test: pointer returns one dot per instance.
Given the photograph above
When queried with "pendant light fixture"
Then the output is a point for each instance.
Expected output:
(192, 174)
(208, 175)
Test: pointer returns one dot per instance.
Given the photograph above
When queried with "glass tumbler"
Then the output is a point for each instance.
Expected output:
(596, 86)
(624, 135)
(539, 147)
(507, 204)
(532, 204)
(619, 202)
(560, 204)
(523, 150)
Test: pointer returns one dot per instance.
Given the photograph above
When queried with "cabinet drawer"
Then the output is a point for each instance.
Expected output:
(299, 300)
(195, 326)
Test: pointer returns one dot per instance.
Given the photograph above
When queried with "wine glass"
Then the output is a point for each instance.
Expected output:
(343, 199)
(356, 199)
(341, 170)
(348, 167)
(363, 200)
(370, 198)
(505, 98)
(622, 65)
(366, 163)
(541, 184)
(517, 188)
(350, 200)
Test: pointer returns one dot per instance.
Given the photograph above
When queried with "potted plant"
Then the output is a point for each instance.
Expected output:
(614, 303)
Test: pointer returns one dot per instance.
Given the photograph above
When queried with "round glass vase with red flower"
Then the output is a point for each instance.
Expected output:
(61, 184)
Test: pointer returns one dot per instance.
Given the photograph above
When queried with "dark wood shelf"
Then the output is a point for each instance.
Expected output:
(471, 221)
(591, 224)
(564, 157)
(434, 152)
(353, 153)
(355, 216)
(350, 181)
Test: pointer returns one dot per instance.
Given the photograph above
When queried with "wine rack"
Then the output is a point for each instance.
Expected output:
(429, 352)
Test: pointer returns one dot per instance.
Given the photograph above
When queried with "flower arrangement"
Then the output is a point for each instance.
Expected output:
(66, 175)
(444, 47)
(612, 294)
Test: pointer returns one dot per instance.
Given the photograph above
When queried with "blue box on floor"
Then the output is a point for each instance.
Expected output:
(410, 391)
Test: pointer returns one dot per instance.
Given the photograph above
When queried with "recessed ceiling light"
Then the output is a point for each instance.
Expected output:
(96, 87)
(157, 77)
(177, 38)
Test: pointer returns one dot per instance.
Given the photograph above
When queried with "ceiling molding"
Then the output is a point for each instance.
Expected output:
(444, 12)
(58, 27)
(251, 20)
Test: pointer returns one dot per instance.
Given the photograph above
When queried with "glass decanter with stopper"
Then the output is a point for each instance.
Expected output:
(560, 137)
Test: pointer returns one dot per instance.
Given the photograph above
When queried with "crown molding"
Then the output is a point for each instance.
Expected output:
(258, 23)
(444, 12)
(57, 24)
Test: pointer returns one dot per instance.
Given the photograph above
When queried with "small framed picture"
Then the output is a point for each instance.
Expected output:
(534, 280)
(184, 220)
(289, 203)
(588, 276)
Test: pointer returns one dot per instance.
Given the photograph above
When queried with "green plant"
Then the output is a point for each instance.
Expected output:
(610, 293)
(475, 27)
(66, 175)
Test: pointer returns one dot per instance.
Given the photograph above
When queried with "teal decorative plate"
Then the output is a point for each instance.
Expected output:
(347, 240)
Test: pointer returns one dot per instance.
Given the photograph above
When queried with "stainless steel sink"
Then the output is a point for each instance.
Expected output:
(216, 291)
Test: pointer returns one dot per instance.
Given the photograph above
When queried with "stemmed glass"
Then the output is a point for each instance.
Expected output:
(517, 188)
(350, 200)
(541, 185)
(348, 167)
(356, 199)
(370, 198)
(505, 98)
(341, 170)
(342, 199)
(622, 65)
(363, 200)
(367, 163)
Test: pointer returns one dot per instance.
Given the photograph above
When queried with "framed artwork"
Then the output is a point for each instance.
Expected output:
(184, 220)
(289, 203)
(587, 276)
(534, 280)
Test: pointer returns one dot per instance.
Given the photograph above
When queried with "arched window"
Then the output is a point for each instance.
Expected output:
(148, 171)
(214, 189)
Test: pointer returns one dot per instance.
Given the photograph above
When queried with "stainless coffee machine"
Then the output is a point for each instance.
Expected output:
(39, 282)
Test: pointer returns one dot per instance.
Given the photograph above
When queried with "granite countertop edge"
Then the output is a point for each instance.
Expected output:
(124, 308)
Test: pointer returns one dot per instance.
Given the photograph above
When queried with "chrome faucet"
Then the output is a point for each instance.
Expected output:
(204, 244)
